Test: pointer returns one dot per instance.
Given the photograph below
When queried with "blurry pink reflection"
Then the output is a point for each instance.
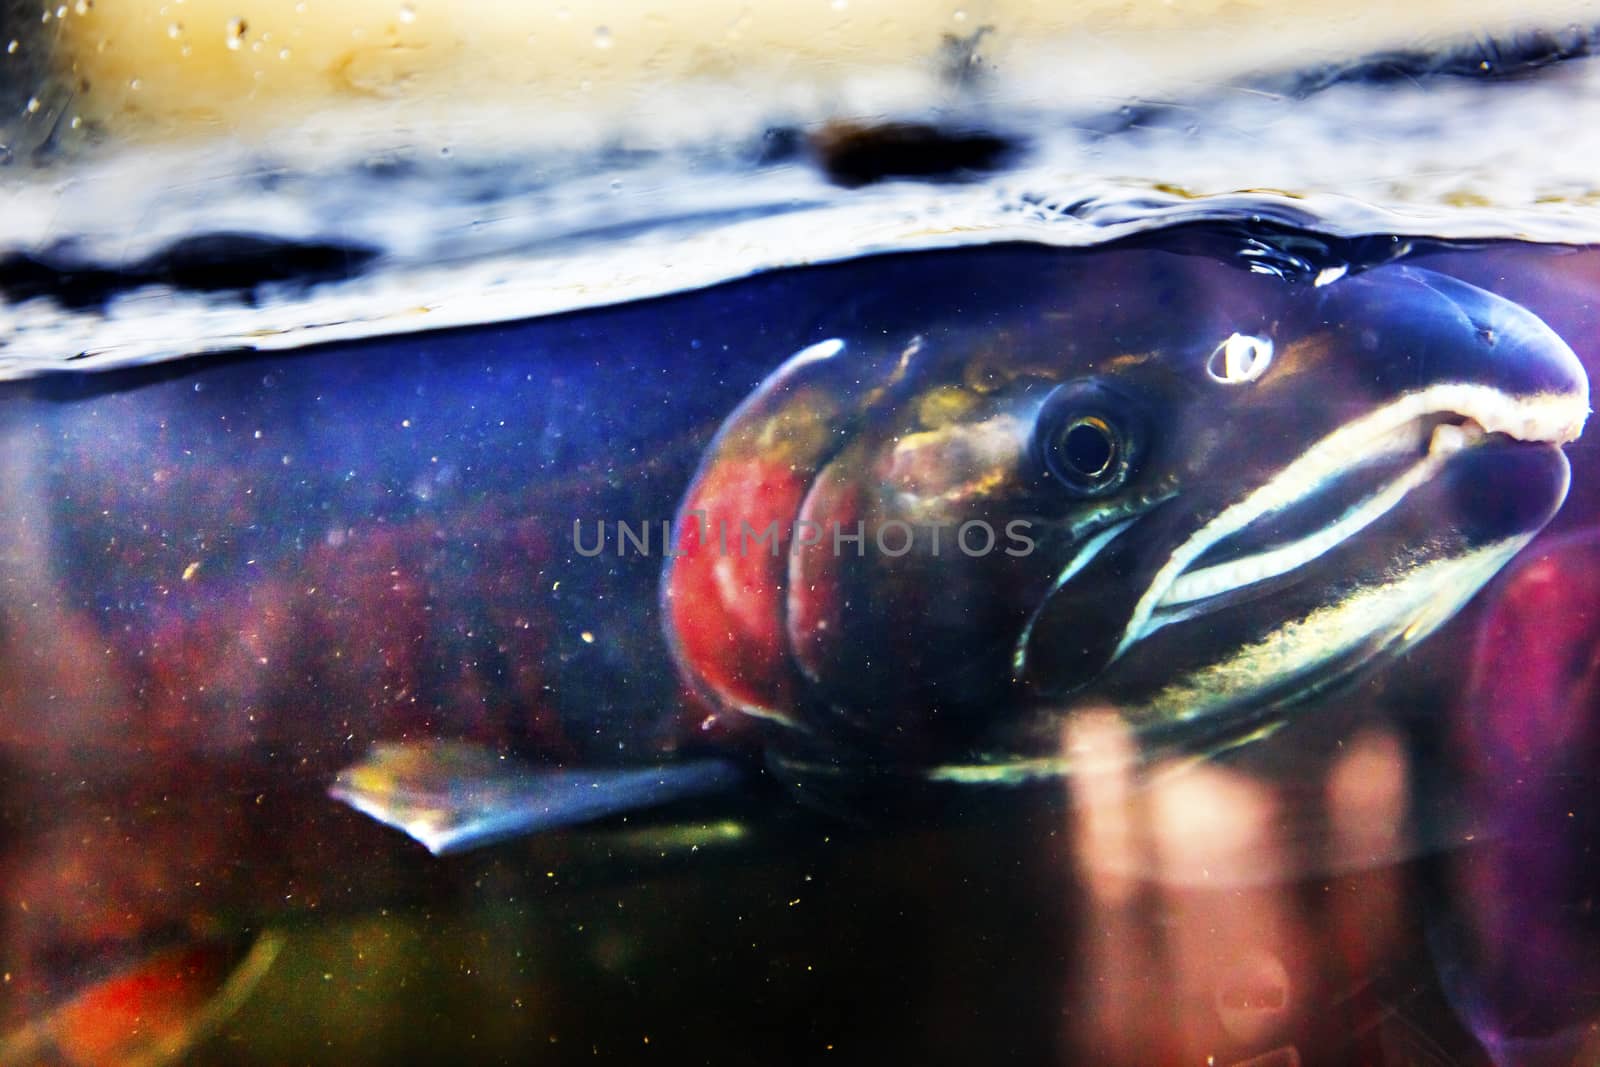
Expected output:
(1103, 755)
(1180, 822)
(1252, 995)
(1201, 942)
(1211, 824)
(1366, 797)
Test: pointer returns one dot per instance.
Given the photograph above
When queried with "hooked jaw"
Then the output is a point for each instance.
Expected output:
(1501, 378)
(1430, 427)
(1452, 407)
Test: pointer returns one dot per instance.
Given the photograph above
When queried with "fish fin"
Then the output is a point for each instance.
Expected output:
(152, 1014)
(450, 796)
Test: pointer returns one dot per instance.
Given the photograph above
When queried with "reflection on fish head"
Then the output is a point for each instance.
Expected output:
(1211, 499)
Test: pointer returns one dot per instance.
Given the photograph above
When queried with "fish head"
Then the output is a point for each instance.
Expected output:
(1196, 510)
(1333, 484)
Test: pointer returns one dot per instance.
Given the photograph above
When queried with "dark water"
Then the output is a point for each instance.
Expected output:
(224, 579)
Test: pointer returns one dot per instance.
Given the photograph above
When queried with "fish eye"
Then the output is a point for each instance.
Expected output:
(1088, 447)
(1240, 359)
(1084, 438)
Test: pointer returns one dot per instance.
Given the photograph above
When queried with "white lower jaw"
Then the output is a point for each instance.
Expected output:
(1384, 618)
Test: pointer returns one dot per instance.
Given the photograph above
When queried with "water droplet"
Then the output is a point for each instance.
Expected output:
(33, 105)
(960, 15)
(562, 13)
(135, 84)
(840, 5)
(175, 30)
(77, 120)
(11, 49)
(61, 12)
(408, 13)
(283, 53)
(82, 7)
(237, 28)
(616, 185)
(185, 50)
(602, 37)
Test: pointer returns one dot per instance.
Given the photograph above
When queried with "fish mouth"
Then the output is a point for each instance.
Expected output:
(1342, 485)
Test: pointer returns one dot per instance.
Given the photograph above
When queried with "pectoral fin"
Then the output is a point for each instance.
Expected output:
(452, 795)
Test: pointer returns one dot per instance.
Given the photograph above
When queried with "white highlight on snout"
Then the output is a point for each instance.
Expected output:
(1240, 359)
(817, 352)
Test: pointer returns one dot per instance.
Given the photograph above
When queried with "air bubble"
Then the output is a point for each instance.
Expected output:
(602, 37)
(408, 13)
(237, 28)
(33, 105)
(175, 30)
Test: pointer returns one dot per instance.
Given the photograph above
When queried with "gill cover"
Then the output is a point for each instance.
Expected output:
(726, 594)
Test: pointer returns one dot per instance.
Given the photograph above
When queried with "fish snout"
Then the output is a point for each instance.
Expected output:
(1452, 350)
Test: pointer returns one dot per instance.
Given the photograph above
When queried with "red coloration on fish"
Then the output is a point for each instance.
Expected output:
(725, 592)
(1537, 661)
(130, 1015)
(817, 604)
(1529, 740)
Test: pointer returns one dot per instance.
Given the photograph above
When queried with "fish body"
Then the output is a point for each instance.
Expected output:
(1197, 494)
